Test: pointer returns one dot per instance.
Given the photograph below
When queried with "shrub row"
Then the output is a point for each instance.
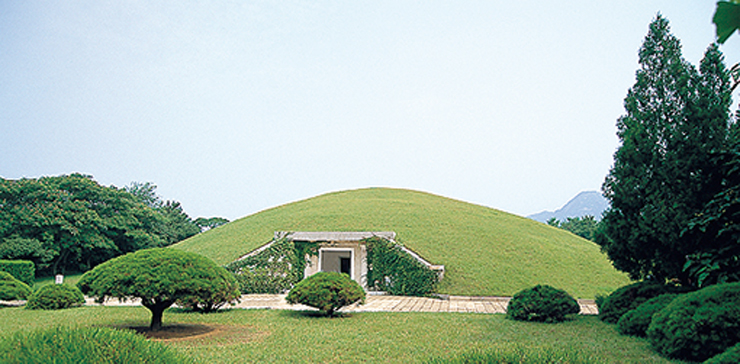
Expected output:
(612, 307)
(23, 270)
(698, 325)
(12, 289)
(693, 326)
(635, 322)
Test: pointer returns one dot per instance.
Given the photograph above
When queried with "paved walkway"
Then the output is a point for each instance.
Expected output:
(377, 303)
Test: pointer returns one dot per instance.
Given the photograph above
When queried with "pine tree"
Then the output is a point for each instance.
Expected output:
(675, 117)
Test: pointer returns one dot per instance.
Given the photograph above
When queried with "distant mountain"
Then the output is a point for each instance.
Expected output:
(585, 203)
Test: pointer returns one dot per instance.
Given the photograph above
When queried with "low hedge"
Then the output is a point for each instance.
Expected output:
(12, 289)
(630, 297)
(635, 322)
(698, 325)
(542, 303)
(23, 270)
(55, 297)
(730, 356)
(90, 345)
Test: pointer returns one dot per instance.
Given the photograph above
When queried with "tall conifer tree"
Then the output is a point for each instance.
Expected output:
(675, 117)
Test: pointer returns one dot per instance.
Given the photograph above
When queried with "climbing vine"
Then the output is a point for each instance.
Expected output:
(392, 270)
(274, 270)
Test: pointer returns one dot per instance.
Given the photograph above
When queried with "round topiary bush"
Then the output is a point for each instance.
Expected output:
(542, 303)
(698, 325)
(730, 356)
(630, 296)
(327, 291)
(55, 297)
(635, 322)
(12, 289)
(86, 346)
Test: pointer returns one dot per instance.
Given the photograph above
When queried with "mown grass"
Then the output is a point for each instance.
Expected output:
(71, 279)
(261, 336)
(485, 251)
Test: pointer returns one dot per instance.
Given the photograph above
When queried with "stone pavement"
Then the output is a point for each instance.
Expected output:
(382, 303)
(377, 303)
(373, 303)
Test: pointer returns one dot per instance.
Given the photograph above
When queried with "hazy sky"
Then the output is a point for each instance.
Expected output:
(231, 107)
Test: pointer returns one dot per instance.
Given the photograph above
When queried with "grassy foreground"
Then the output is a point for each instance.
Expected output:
(285, 336)
(485, 251)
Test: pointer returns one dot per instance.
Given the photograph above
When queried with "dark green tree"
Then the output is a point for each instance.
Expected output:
(726, 19)
(160, 277)
(676, 117)
(584, 227)
(716, 229)
(175, 225)
(145, 192)
(73, 220)
(209, 223)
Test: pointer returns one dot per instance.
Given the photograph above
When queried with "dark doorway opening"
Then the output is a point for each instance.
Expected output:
(345, 265)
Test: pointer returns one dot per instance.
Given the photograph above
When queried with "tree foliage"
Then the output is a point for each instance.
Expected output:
(676, 118)
(716, 229)
(175, 225)
(160, 277)
(208, 223)
(726, 19)
(584, 227)
(72, 223)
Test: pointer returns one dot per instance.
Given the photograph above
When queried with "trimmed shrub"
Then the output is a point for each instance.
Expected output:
(393, 270)
(89, 345)
(698, 325)
(629, 297)
(55, 297)
(216, 292)
(160, 277)
(12, 289)
(635, 322)
(542, 303)
(730, 356)
(327, 291)
(22, 270)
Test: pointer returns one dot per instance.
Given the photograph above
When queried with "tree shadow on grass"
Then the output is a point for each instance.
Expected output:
(313, 314)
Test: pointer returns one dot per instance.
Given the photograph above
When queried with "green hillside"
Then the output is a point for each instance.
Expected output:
(484, 251)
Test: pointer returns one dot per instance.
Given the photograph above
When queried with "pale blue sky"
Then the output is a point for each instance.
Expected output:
(231, 107)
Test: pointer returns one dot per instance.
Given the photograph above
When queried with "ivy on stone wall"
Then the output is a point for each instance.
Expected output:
(274, 270)
(392, 270)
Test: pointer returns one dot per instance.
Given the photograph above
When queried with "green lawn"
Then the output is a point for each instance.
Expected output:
(485, 251)
(287, 336)
(68, 279)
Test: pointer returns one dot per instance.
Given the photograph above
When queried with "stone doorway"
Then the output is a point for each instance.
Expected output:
(336, 260)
